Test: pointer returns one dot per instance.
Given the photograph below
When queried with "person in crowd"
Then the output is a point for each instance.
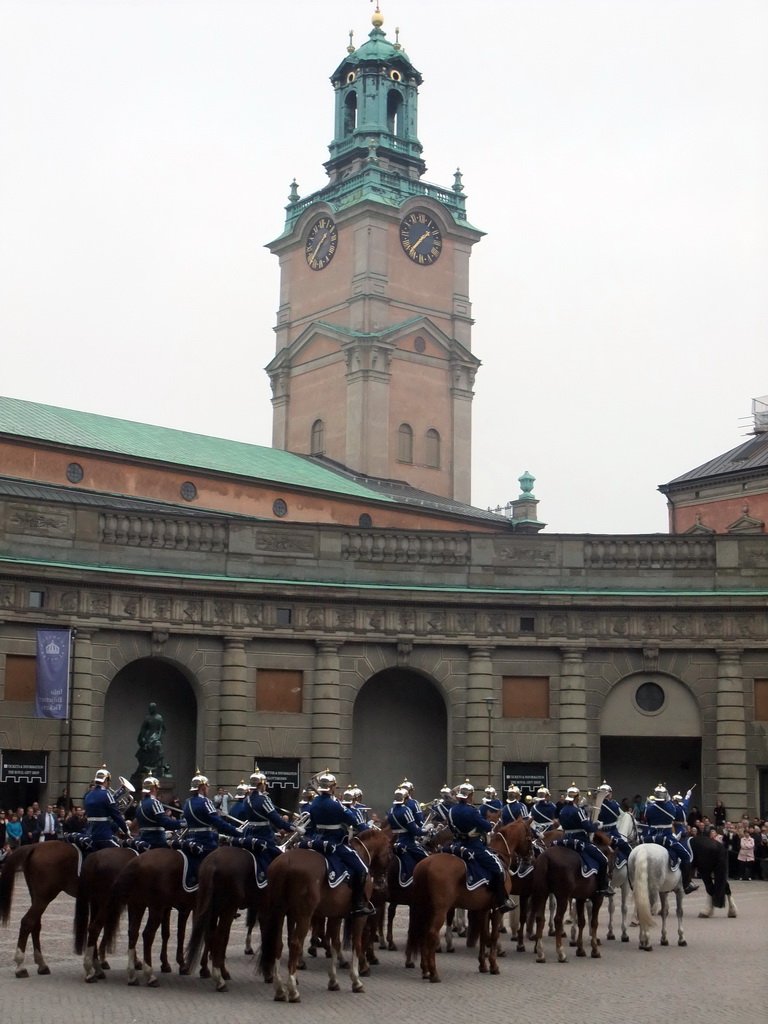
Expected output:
(720, 814)
(3, 825)
(64, 801)
(13, 831)
(222, 799)
(746, 854)
(30, 827)
(48, 824)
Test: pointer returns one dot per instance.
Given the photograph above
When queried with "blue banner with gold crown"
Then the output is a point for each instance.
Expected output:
(54, 648)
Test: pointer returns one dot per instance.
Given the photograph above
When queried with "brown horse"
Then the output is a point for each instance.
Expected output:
(558, 871)
(440, 882)
(154, 883)
(298, 890)
(99, 873)
(226, 884)
(49, 869)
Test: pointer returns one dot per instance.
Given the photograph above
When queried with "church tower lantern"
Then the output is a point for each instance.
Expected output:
(373, 366)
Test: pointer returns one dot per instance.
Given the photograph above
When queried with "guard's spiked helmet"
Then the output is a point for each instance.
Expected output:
(326, 782)
(102, 775)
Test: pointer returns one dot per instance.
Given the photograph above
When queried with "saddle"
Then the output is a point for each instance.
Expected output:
(407, 858)
(669, 845)
(590, 864)
(477, 874)
(336, 870)
(263, 854)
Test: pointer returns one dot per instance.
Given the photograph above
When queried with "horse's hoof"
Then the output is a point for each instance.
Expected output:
(248, 952)
(333, 986)
(410, 966)
(374, 961)
(43, 970)
(167, 969)
(91, 979)
(435, 979)
(133, 982)
(152, 983)
(664, 942)
(366, 973)
(482, 968)
(312, 951)
(184, 971)
(596, 955)
(495, 970)
(625, 938)
(105, 965)
(551, 933)
(302, 966)
(343, 965)
(572, 944)
(280, 997)
(583, 952)
(294, 999)
(204, 972)
(519, 948)
(609, 937)
(501, 952)
(682, 942)
(222, 986)
(358, 987)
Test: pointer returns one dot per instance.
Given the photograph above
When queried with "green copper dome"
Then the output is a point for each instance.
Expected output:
(379, 50)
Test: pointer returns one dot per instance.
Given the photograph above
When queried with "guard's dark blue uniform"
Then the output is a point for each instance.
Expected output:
(543, 814)
(103, 816)
(264, 819)
(406, 830)
(661, 818)
(492, 806)
(468, 826)
(608, 822)
(330, 821)
(204, 823)
(153, 822)
(512, 810)
(576, 824)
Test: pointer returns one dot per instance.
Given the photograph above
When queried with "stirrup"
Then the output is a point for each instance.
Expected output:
(607, 891)
(508, 904)
(690, 888)
(363, 910)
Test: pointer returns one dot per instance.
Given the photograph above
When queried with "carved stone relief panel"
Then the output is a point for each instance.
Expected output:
(28, 519)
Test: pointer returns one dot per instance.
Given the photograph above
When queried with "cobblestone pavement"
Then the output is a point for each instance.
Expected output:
(722, 967)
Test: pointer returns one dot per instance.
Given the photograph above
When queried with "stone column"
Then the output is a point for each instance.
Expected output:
(478, 747)
(233, 713)
(574, 732)
(82, 758)
(731, 734)
(326, 708)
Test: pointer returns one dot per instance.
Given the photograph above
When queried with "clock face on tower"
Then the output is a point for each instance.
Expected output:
(420, 238)
(321, 242)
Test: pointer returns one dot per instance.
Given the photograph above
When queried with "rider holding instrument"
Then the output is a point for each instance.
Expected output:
(491, 803)
(576, 824)
(152, 819)
(203, 821)
(665, 827)
(103, 814)
(469, 827)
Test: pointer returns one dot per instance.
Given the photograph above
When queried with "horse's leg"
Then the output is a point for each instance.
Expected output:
(664, 897)
(539, 913)
(181, 929)
(560, 912)
(610, 934)
(134, 923)
(580, 919)
(709, 907)
(358, 927)
(390, 940)
(521, 922)
(165, 936)
(437, 915)
(624, 893)
(732, 911)
(333, 942)
(219, 941)
(494, 920)
(679, 893)
(154, 920)
(595, 942)
(296, 934)
(552, 911)
(30, 925)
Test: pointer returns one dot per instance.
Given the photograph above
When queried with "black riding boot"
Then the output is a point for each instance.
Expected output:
(503, 901)
(360, 905)
(685, 871)
(603, 886)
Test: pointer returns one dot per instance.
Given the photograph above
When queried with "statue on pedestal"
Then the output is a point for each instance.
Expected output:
(150, 740)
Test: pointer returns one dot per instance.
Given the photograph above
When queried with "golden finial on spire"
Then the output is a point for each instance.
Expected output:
(377, 18)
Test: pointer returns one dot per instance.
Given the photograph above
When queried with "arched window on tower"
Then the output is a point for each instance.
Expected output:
(405, 443)
(317, 439)
(394, 112)
(432, 449)
(350, 113)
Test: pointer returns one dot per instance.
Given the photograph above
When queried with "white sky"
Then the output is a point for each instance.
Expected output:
(614, 150)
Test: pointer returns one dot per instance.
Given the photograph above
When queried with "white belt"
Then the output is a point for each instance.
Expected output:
(152, 828)
(210, 829)
(99, 819)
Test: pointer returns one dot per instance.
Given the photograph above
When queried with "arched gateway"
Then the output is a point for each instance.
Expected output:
(400, 727)
(650, 732)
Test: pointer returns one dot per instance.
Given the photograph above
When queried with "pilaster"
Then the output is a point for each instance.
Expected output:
(731, 732)
(479, 715)
(326, 708)
(233, 713)
(574, 733)
(82, 755)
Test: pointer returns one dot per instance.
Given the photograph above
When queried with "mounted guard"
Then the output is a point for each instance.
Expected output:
(103, 814)
(514, 808)
(577, 826)
(665, 825)
(328, 833)
(154, 823)
(608, 819)
(470, 828)
(544, 812)
(491, 803)
(407, 833)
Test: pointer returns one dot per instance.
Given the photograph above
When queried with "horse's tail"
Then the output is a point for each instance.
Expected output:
(82, 916)
(203, 914)
(14, 862)
(418, 916)
(719, 876)
(272, 921)
(642, 890)
(121, 891)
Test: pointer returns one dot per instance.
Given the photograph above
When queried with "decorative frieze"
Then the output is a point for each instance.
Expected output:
(29, 519)
(413, 548)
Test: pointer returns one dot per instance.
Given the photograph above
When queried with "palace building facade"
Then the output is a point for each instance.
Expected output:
(335, 600)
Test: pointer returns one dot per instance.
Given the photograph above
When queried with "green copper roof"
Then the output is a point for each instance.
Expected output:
(377, 48)
(173, 447)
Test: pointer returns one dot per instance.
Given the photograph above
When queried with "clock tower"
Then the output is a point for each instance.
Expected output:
(374, 367)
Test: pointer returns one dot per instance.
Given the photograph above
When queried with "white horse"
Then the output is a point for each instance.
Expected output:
(619, 879)
(652, 879)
